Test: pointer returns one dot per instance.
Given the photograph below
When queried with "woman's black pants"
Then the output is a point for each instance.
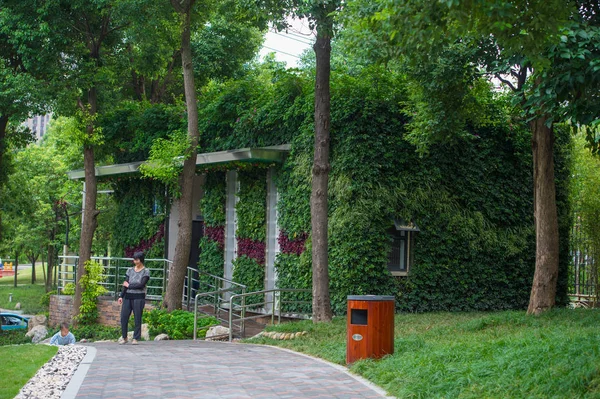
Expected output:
(137, 307)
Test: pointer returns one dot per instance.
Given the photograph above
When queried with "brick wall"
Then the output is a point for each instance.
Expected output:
(109, 310)
(61, 307)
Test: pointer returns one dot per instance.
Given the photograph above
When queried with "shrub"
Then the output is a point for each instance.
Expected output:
(90, 291)
(178, 324)
(14, 337)
(68, 289)
(96, 332)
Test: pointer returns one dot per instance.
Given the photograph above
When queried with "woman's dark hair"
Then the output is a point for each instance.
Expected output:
(139, 255)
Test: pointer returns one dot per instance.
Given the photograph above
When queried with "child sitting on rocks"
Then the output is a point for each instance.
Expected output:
(63, 337)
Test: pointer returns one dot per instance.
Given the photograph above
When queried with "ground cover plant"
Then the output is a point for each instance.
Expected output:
(473, 355)
(178, 324)
(14, 337)
(19, 364)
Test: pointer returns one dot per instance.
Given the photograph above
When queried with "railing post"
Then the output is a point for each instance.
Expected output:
(279, 310)
(231, 317)
(216, 304)
(195, 316)
(117, 279)
(75, 264)
(189, 287)
(164, 288)
(273, 307)
(243, 318)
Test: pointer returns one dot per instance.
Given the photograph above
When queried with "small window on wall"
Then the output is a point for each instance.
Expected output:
(401, 256)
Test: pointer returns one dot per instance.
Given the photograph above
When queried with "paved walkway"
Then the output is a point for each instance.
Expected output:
(200, 369)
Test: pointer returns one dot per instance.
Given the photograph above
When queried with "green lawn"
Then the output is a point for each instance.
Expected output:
(473, 355)
(28, 296)
(19, 364)
(24, 276)
(25, 293)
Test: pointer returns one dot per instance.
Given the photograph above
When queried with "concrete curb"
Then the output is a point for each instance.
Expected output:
(72, 388)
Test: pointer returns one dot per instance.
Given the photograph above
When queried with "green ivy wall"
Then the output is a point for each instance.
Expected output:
(471, 197)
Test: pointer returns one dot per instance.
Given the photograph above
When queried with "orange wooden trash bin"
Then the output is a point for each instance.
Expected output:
(370, 327)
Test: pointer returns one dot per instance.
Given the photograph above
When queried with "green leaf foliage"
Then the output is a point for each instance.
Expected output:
(90, 291)
(295, 271)
(131, 128)
(211, 259)
(212, 206)
(251, 207)
(212, 203)
(471, 196)
(141, 209)
(14, 337)
(249, 266)
(249, 272)
(264, 107)
(178, 324)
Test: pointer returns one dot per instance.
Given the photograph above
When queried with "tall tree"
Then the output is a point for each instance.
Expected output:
(23, 66)
(178, 268)
(550, 50)
(33, 197)
(87, 36)
(209, 31)
(320, 14)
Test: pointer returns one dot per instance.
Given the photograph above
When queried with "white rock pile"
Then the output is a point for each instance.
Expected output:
(52, 379)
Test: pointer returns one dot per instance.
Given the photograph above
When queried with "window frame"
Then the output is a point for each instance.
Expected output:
(410, 229)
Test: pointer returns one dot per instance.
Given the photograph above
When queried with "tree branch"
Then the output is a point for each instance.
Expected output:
(505, 81)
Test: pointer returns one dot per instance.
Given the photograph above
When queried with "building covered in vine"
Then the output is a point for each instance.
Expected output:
(450, 228)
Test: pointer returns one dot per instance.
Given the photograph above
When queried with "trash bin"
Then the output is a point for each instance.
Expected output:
(370, 327)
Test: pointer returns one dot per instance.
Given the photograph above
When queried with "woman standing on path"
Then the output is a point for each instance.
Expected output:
(133, 297)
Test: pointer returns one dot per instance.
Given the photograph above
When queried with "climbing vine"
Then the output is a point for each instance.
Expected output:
(212, 206)
(139, 224)
(471, 199)
(249, 266)
(91, 289)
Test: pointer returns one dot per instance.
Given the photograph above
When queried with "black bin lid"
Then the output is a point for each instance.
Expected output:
(371, 298)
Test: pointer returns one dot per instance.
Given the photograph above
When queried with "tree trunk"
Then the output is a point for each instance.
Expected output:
(3, 125)
(181, 257)
(44, 269)
(320, 176)
(90, 212)
(33, 259)
(49, 267)
(543, 290)
(16, 268)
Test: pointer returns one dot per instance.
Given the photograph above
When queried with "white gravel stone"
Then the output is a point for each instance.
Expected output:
(51, 380)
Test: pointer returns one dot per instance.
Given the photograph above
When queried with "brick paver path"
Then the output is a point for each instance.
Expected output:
(198, 369)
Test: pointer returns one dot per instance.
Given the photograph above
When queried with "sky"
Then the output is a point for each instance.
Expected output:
(288, 46)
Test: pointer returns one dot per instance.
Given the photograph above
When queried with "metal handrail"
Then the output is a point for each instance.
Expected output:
(276, 306)
(220, 282)
(216, 293)
(72, 261)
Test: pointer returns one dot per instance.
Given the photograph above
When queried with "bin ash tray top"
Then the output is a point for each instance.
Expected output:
(371, 298)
